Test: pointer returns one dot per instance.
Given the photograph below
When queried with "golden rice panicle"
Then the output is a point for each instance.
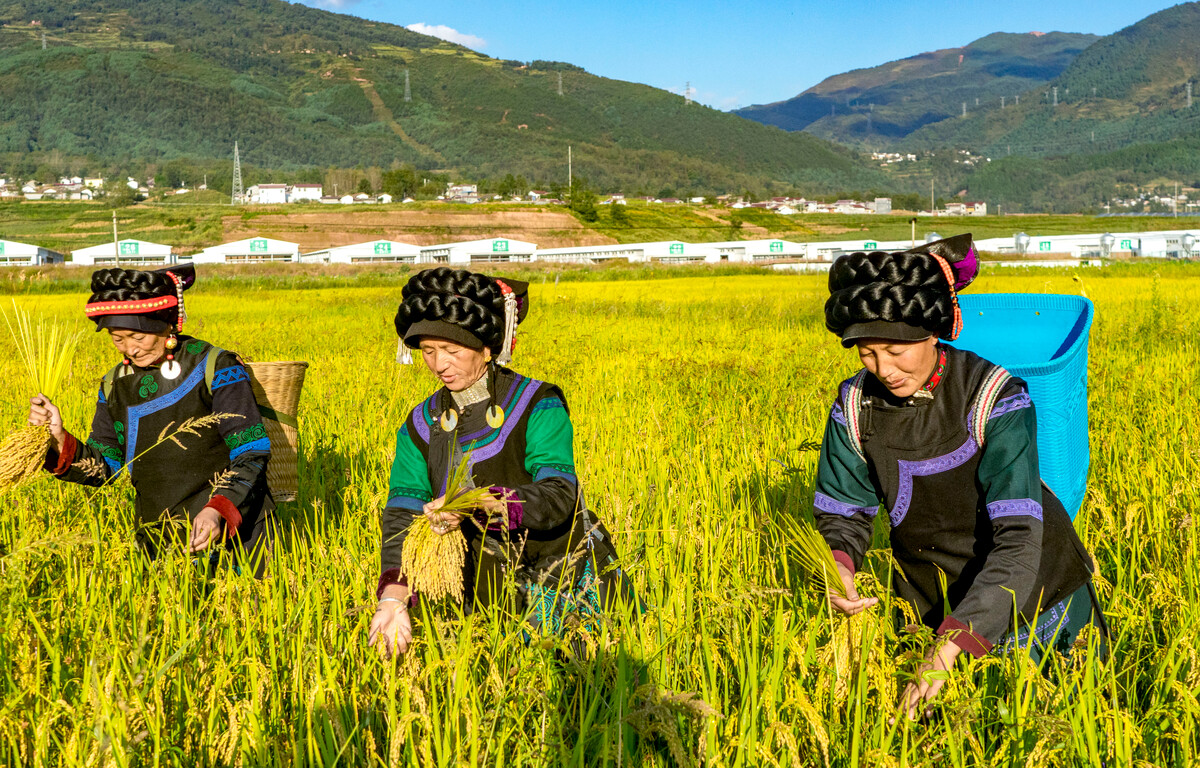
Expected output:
(434, 562)
(812, 553)
(22, 454)
(45, 349)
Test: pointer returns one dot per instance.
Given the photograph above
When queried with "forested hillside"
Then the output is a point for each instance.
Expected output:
(878, 105)
(121, 80)
(1128, 88)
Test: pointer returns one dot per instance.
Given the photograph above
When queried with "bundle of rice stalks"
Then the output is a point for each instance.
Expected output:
(811, 552)
(433, 562)
(45, 348)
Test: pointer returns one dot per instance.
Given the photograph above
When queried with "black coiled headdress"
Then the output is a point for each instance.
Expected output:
(907, 295)
(465, 307)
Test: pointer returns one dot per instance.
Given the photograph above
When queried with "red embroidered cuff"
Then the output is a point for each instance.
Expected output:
(846, 560)
(227, 510)
(58, 463)
(963, 637)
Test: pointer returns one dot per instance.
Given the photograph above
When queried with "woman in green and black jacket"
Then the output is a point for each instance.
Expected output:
(538, 535)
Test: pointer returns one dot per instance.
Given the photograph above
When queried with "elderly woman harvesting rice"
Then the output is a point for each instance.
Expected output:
(531, 534)
(177, 413)
(946, 441)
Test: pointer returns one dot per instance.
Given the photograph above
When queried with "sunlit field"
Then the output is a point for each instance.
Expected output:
(698, 405)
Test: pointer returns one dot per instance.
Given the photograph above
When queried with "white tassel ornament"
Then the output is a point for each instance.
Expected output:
(510, 328)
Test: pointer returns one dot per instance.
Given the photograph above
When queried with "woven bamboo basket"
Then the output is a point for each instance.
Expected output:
(277, 389)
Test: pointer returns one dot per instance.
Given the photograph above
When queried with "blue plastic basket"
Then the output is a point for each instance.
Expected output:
(1043, 338)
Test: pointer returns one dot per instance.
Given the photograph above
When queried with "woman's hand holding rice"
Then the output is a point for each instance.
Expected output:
(42, 411)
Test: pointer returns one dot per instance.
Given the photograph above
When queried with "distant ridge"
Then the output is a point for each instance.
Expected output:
(879, 106)
(1128, 88)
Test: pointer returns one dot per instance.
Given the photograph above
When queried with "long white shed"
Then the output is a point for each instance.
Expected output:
(750, 251)
(253, 250)
(134, 253)
(491, 250)
(13, 254)
(372, 252)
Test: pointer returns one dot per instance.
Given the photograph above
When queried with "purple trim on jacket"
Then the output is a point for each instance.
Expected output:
(934, 466)
(831, 505)
(1013, 508)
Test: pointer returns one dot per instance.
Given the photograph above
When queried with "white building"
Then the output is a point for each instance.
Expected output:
(462, 191)
(26, 255)
(495, 249)
(375, 251)
(1176, 244)
(592, 254)
(132, 252)
(750, 251)
(268, 194)
(299, 192)
(254, 250)
(828, 251)
(666, 252)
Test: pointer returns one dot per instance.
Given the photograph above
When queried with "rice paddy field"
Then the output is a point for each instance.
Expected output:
(698, 405)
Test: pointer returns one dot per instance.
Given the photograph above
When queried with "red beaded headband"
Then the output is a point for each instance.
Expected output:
(133, 307)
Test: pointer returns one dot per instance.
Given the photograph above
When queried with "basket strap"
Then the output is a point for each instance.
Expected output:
(210, 367)
(985, 400)
(286, 419)
(852, 411)
(106, 384)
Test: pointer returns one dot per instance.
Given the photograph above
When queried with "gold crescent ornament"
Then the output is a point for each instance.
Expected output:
(495, 417)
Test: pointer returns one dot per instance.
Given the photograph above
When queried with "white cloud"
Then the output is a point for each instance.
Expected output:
(447, 33)
(333, 5)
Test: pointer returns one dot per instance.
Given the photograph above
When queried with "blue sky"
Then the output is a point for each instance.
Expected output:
(736, 53)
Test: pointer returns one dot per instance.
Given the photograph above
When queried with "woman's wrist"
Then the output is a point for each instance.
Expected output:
(396, 605)
(395, 592)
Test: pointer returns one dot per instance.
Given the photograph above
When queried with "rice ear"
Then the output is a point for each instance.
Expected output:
(22, 454)
(812, 553)
(434, 562)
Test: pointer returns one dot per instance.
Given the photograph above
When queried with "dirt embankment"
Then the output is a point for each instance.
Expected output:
(321, 229)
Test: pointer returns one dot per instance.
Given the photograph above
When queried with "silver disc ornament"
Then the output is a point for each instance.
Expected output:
(171, 370)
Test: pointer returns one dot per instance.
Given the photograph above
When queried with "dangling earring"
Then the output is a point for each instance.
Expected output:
(449, 420)
(494, 415)
(171, 369)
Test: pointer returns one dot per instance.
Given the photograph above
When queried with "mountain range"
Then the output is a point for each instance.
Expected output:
(1056, 121)
(880, 105)
(300, 87)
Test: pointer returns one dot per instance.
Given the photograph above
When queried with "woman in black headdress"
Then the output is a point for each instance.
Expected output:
(517, 432)
(210, 476)
(946, 441)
